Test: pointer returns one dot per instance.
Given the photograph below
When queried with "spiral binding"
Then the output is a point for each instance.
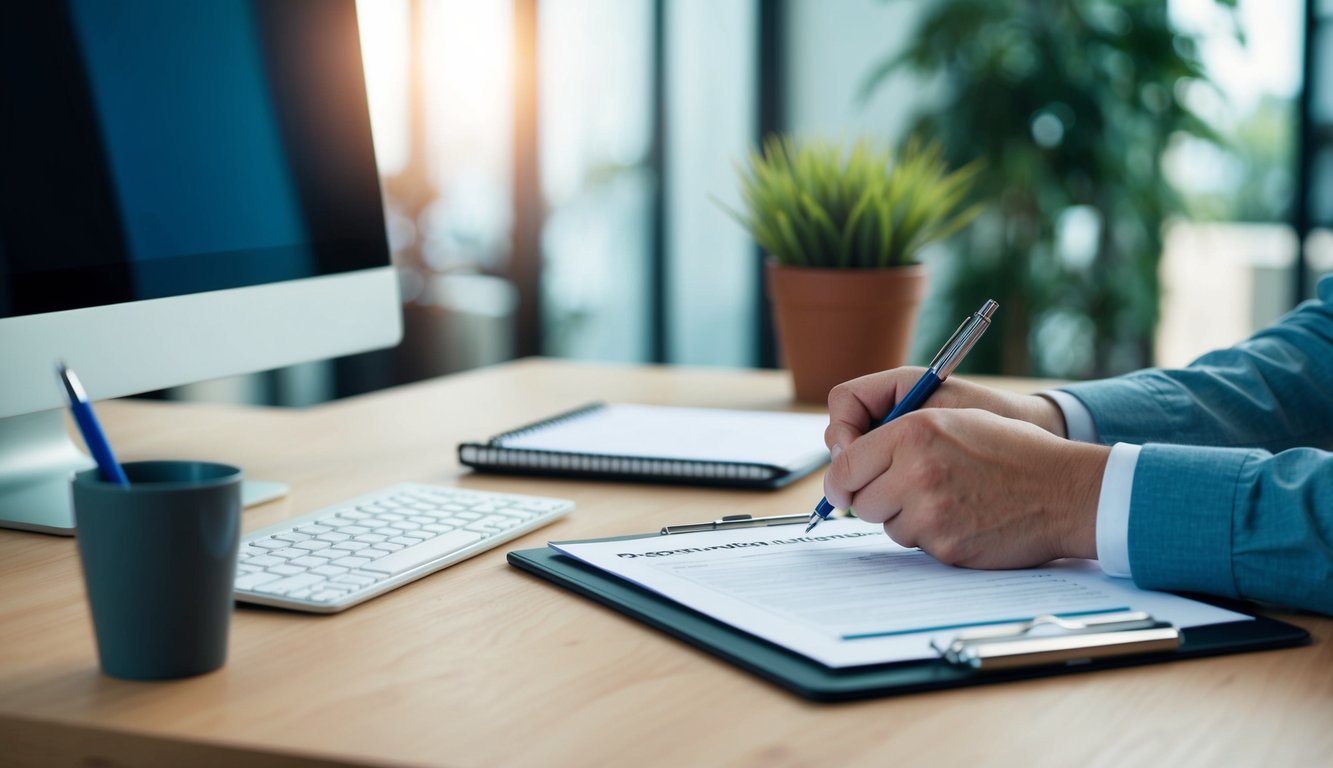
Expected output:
(492, 456)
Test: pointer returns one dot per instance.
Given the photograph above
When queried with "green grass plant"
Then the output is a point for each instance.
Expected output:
(819, 204)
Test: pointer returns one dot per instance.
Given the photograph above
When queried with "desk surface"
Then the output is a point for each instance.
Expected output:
(481, 664)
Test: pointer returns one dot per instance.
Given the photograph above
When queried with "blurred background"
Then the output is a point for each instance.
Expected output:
(1159, 173)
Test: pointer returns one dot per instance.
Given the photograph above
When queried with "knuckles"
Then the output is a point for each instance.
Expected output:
(919, 430)
(948, 552)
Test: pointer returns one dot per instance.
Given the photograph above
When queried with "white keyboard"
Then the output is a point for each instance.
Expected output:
(336, 557)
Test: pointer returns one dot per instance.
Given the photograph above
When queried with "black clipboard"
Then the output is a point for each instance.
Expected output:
(815, 681)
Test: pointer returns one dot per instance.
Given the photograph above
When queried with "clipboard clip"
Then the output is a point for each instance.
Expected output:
(1051, 639)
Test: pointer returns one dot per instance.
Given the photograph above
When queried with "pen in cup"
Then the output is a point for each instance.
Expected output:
(107, 466)
(953, 352)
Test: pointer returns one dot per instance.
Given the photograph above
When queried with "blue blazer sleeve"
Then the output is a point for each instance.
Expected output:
(1272, 391)
(1233, 491)
(1234, 522)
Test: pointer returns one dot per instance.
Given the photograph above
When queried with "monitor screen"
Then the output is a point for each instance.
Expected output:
(188, 190)
(165, 148)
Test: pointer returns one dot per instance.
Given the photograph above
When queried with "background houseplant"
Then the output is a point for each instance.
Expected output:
(843, 227)
(1072, 104)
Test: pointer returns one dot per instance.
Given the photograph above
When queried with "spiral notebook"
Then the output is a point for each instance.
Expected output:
(658, 443)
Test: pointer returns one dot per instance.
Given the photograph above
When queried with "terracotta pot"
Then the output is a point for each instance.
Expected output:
(834, 325)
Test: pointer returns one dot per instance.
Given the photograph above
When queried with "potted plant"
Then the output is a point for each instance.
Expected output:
(842, 227)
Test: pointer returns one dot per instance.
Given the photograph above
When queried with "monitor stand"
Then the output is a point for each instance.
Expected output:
(36, 459)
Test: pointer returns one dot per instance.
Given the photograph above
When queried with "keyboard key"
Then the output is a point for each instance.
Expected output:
(292, 536)
(263, 560)
(350, 562)
(424, 552)
(352, 581)
(252, 580)
(282, 586)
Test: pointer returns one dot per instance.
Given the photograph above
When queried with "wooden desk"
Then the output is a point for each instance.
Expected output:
(483, 665)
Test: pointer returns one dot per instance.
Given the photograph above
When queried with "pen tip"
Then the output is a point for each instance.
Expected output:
(811, 526)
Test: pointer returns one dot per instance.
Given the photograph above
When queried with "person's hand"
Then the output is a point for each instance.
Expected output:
(973, 488)
(857, 406)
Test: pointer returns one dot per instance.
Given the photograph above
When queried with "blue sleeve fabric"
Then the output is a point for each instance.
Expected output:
(1233, 491)
(1235, 522)
(1272, 391)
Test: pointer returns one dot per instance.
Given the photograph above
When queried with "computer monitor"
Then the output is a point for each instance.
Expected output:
(188, 190)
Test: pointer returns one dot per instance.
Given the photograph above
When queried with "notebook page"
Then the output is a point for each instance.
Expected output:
(790, 440)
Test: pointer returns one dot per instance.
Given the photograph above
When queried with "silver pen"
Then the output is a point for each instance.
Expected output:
(733, 521)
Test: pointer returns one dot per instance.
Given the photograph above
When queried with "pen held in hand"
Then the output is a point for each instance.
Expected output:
(107, 466)
(953, 352)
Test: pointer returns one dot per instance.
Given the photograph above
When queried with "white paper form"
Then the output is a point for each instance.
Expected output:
(848, 595)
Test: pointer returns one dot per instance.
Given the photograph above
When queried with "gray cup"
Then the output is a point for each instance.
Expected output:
(159, 560)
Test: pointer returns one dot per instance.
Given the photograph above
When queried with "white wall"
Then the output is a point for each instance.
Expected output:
(832, 46)
(711, 83)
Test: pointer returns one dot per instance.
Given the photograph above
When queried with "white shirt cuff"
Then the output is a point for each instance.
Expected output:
(1113, 510)
(1078, 419)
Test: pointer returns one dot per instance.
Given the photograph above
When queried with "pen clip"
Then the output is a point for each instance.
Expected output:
(962, 340)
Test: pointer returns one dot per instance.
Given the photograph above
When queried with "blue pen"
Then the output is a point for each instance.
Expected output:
(955, 349)
(107, 466)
